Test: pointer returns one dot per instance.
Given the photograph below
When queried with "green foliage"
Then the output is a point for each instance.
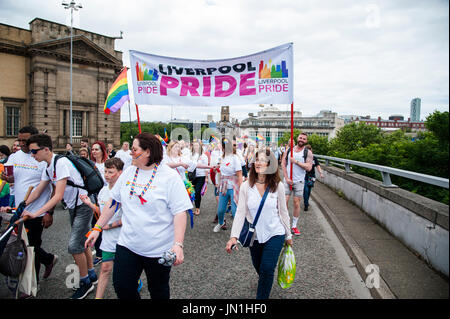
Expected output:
(428, 153)
(286, 138)
(438, 124)
(129, 131)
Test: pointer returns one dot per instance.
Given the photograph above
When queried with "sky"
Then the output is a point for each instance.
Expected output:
(353, 57)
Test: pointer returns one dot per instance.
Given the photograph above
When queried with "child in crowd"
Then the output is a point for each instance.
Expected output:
(111, 231)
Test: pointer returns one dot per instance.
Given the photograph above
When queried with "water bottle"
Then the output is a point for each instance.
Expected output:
(19, 256)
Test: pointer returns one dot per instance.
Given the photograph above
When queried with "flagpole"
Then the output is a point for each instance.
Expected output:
(292, 137)
(139, 121)
(129, 114)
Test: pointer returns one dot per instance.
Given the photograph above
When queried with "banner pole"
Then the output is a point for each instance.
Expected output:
(139, 121)
(292, 137)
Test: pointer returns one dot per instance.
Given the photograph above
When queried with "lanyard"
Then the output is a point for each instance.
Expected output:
(141, 196)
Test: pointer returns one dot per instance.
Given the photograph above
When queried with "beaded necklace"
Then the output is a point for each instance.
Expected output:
(141, 196)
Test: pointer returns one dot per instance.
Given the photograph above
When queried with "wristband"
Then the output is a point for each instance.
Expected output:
(98, 226)
(178, 244)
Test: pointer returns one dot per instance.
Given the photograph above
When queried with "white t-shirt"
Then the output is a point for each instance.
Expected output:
(215, 157)
(101, 169)
(109, 236)
(298, 173)
(125, 157)
(180, 169)
(230, 165)
(269, 222)
(186, 153)
(28, 172)
(200, 159)
(148, 229)
(241, 156)
(65, 168)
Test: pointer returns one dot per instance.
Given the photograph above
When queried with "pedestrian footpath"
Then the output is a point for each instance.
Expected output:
(403, 274)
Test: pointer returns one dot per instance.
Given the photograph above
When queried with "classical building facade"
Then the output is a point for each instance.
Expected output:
(35, 83)
(272, 123)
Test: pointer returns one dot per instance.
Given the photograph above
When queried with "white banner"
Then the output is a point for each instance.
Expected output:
(262, 78)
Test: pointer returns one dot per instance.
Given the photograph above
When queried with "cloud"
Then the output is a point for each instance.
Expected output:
(353, 57)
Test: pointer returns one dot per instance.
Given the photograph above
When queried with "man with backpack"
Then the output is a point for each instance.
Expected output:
(63, 174)
(301, 161)
(28, 172)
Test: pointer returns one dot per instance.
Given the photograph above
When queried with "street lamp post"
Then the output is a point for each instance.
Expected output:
(72, 6)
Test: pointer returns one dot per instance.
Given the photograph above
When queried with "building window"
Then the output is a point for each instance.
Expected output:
(12, 120)
(77, 120)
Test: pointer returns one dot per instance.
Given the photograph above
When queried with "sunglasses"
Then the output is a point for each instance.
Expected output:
(34, 151)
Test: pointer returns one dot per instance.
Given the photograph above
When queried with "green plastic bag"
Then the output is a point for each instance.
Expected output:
(286, 267)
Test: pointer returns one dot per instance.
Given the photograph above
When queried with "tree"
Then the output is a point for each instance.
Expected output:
(354, 136)
(286, 138)
(438, 124)
(319, 144)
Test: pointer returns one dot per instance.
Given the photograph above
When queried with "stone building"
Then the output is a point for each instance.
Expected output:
(35, 83)
(272, 123)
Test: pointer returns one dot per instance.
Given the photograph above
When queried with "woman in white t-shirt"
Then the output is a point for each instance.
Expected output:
(154, 204)
(273, 227)
(174, 160)
(99, 155)
(201, 172)
(230, 170)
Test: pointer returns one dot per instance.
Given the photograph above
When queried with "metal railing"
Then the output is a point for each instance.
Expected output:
(386, 171)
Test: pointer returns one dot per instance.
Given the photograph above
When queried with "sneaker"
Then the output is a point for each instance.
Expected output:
(224, 226)
(93, 279)
(217, 228)
(97, 261)
(295, 231)
(216, 220)
(49, 268)
(306, 208)
(83, 291)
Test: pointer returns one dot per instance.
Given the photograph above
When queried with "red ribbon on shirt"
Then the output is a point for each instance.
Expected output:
(142, 199)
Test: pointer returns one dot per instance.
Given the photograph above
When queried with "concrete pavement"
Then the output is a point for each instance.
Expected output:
(324, 271)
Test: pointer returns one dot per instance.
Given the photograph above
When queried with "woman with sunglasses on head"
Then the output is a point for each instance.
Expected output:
(273, 227)
(154, 204)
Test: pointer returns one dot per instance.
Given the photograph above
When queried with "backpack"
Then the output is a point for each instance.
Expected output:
(92, 179)
(305, 154)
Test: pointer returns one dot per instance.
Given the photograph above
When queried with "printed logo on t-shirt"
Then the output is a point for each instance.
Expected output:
(26, 166)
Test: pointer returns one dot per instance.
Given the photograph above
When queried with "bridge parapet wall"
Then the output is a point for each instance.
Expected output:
(420, 223)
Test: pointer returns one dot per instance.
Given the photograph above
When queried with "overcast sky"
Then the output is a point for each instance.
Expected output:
(361, 57)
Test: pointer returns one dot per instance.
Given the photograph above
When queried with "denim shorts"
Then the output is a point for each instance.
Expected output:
(80, 221)
(297, 188)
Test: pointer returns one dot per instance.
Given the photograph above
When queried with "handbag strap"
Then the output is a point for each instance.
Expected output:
(260, 207)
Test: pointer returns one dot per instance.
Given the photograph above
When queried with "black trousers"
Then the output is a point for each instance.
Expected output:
(35, 229)
(198, 185)
(128, 268)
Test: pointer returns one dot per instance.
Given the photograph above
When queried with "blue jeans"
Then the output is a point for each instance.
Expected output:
(307, 193)
(223, 204)
(265, 258)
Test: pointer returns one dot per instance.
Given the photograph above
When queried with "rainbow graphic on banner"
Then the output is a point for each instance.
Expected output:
(145, 74)
(118, 94)
(275, 71)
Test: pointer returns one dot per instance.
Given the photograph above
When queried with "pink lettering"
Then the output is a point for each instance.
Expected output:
(206, 86)
(219, 81)
(189, 84)
(247, 84)
(167, 82)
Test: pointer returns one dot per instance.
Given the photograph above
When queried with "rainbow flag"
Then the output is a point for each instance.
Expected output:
(215, 140)
(118, 93)
(161, 140)
(259, 137)
(166, 138)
